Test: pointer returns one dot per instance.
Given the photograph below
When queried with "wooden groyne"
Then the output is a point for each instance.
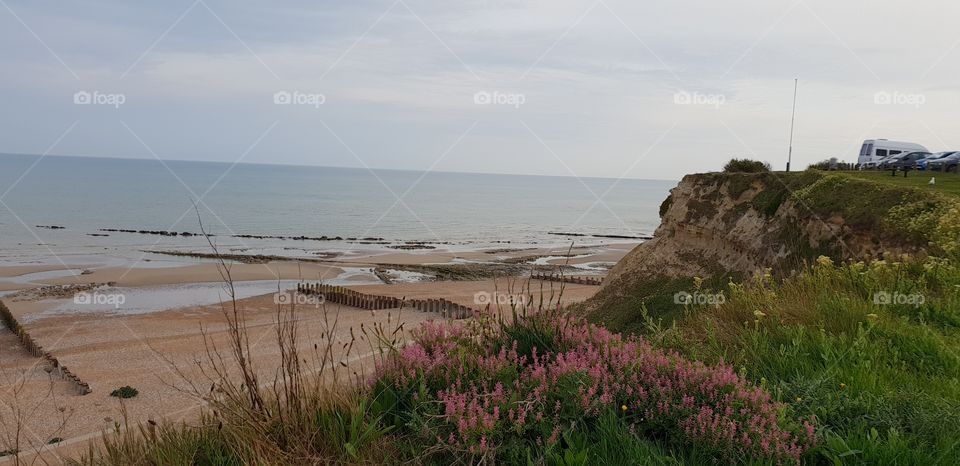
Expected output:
(340, 295)
(35, 349)
(556, 277)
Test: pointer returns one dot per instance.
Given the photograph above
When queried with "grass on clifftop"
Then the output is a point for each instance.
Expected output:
(946, 183)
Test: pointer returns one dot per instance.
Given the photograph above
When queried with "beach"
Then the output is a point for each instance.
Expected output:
(169, 317)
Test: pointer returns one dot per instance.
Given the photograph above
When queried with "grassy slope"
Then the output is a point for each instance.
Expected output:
(882, 378)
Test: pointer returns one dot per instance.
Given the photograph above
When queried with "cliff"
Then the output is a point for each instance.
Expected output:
(723, 226)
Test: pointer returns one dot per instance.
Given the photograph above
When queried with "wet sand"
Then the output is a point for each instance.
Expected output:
(205, 271)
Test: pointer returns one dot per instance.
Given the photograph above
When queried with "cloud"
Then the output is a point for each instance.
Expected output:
(598, 80)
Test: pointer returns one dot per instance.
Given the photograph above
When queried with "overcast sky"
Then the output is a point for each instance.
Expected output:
(651, 89)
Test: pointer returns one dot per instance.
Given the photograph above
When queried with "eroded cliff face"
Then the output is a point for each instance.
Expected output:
(733, 223)
(729, 226)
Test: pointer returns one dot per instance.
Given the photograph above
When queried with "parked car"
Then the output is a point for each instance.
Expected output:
(906, 161)
(874, 151)
(924, 162)
(947, 163)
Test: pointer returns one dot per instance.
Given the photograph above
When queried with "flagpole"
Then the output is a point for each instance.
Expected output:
(793, 115)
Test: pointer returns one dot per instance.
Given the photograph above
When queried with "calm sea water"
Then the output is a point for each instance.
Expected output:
(455, 211)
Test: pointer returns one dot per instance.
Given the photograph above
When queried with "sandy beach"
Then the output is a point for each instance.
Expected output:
(155, 349)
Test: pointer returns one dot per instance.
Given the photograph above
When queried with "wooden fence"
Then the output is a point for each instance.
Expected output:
(555, 277)
(35, 349)
(348, 297)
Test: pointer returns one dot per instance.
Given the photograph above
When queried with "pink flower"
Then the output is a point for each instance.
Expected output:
(474, 374)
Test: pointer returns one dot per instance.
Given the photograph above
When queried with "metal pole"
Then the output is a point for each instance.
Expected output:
(793, 114)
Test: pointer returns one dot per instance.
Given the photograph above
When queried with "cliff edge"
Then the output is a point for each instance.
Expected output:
(727, 226)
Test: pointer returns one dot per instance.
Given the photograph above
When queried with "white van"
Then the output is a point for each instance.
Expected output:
(874, 150)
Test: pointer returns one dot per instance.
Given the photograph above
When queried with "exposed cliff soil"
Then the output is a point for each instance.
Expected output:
(722, 226)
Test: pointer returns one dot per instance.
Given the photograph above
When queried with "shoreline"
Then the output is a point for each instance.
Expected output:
(156, 267)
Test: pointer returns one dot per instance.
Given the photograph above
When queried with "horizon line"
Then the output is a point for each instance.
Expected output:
(333, 166)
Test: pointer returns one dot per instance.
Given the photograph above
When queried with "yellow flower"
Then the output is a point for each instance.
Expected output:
(758, 313)
(799, 399)
(623, 407)
(843, 386)
(824, 261)
(872, 316)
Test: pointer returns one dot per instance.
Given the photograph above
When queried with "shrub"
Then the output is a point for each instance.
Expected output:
(665, 205)
(539, 385)
(746, 166)
(125, 391)
(833, 164)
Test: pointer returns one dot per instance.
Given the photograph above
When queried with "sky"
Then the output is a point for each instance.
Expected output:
(609, 88)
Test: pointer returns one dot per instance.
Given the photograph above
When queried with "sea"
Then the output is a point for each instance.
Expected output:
(74, 210)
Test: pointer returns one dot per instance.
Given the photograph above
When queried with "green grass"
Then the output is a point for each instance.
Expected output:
(883, 380)
(947, 183)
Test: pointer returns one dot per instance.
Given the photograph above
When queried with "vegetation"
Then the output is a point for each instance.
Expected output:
(833, 164)
(746, 166)
(541, 388)
(125, 391)
(946, 183)
(869, 350)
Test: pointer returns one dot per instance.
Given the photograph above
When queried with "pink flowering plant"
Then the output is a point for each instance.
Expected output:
(512, 391)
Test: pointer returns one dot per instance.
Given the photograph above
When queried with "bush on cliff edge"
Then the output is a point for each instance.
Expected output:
(746, 166)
